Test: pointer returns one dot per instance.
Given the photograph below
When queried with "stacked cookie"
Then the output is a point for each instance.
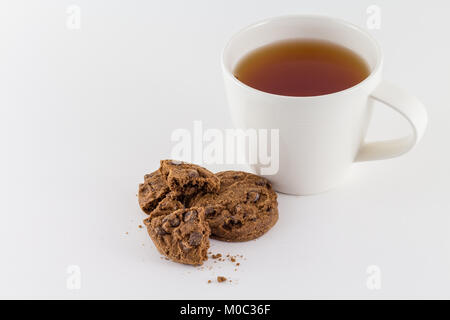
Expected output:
(187, 204)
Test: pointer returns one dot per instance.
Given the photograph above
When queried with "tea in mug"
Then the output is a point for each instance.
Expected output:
(302, 67)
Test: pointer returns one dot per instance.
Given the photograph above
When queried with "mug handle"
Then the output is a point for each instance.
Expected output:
(411, 109)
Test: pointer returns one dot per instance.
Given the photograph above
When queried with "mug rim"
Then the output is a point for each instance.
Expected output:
(354, 27)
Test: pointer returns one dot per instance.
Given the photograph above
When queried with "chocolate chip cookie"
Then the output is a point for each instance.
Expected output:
(244, 208)
(152, 191)
(182, 236)
(186, 179)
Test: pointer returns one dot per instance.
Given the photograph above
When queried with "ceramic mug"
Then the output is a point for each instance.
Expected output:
(319, 136)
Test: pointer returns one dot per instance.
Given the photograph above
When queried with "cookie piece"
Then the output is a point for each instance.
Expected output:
(244, 208)
(152, 191)
(168, 205)
(182, 236)
(186, 179)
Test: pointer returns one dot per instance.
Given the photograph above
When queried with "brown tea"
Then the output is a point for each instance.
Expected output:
(301, 68)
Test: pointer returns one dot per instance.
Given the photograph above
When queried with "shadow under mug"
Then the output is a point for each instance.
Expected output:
(320, 136)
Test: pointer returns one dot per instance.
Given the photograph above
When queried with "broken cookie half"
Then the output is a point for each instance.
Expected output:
(182, 236)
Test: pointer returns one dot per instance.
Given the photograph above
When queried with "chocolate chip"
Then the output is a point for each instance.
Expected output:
(226, 226)
(210, 211)
(232, 223)
(235, 222)
(160, 231)
(260, 182)
(192, 173)
(190, 216)
(250, 216)
(184, 247)
(174, 222)
(253, 196)
(195, 238)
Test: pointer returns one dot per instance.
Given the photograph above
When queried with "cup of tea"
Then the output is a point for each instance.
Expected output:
(315, 79)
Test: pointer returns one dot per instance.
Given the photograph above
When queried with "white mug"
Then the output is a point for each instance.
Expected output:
(319, 136)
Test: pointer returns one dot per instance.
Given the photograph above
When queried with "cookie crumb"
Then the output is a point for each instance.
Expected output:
(209, 281)
(221, 279)
(140, 226)
(233, 259)
(216, 256)
(238, 264)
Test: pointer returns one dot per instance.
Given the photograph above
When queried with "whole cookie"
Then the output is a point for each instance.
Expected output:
(186, 179)
(244, 208)
(182, 236)
(152, 191)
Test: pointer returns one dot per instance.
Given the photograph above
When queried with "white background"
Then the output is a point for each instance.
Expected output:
(84, 114)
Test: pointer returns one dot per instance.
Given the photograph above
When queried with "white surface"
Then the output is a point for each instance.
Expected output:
(85, 113)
